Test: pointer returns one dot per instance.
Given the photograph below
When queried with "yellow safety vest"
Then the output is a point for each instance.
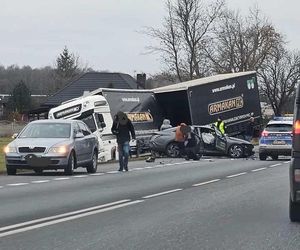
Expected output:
(221, 127)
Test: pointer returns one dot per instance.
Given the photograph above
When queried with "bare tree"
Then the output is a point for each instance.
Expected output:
(242, 43)
(184, 35)
(278, 77)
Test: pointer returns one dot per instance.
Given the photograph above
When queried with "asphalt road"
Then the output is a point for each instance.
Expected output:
(214, 203)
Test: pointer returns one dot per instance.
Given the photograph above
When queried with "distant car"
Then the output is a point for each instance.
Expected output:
(214, 143)
(53, 144)
(276, 138)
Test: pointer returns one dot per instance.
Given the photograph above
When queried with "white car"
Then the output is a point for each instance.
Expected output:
(276, 138)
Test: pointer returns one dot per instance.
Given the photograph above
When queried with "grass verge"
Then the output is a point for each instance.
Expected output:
(3, 142)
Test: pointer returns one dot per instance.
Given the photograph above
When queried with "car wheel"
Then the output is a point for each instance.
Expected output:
(236, 151)
(69, 169)
(197, 157)
(92, 167)
(294, 211)
(38, 171)
(274, 157)
(262, 157)
(172, 150)
(11, 170)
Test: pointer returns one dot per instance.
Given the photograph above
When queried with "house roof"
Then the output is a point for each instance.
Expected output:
(89, 82)
(185, 85)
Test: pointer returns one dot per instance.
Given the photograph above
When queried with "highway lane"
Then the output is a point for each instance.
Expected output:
(160, 206)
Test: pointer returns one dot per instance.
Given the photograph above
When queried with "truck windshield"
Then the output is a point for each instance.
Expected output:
(90, 122)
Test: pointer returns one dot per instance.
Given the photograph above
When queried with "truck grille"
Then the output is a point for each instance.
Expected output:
(32, 150)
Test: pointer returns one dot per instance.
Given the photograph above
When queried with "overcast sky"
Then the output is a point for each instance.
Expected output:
(105, 33)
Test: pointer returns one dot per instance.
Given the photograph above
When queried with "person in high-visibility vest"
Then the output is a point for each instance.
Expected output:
(220, 125)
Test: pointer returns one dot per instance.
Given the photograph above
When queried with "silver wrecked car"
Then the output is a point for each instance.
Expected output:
(53, 144)
(213, 143)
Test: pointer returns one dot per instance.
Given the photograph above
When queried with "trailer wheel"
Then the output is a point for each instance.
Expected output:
(172, 150)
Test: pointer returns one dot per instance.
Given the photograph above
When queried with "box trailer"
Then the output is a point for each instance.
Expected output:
(234, 97)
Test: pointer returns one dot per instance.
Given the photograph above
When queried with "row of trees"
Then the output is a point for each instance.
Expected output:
(199, 38)
(23, 82)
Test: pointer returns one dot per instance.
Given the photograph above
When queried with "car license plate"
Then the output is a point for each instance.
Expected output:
(279, 142)
(35, 161)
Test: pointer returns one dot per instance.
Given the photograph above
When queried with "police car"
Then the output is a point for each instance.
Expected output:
(276, 138)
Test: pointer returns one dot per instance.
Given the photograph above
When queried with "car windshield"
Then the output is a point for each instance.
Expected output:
(46, 130)
(279, 128)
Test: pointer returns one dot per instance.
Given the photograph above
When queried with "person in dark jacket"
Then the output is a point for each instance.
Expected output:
(121, 127)
(192, 145)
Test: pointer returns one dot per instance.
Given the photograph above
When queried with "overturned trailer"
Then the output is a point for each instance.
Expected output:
(234, 97)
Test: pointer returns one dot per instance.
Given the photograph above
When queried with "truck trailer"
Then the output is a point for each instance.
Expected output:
(234, 97)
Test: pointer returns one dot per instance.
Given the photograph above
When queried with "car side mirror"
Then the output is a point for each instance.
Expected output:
(14, 136)
(79, 135)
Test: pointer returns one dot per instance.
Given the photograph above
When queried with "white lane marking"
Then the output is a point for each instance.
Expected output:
(112, 172)
(287, 161)
(68, 218)
(61, 215)
(206, 182)
(258, 169)
(137, 169)
(275, 165)
(17, 184)
(162, 193)
(42, 181)
(61, 179)
(1, 186)
(97, 174)
(236, 175)
(80, 176)
(149, 167)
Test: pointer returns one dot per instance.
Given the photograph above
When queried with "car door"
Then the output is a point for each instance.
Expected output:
(87, 142)
(91, 141)
(78, 143)
(221, 143)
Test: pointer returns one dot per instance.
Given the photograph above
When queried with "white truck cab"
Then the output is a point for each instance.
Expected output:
(95, 112)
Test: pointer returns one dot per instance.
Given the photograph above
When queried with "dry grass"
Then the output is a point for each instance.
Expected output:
(3, 142)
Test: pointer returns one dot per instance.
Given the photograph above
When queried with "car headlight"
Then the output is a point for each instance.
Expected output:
(59, 150)
(8, 149)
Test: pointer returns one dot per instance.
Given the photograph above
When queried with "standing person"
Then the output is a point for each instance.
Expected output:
(250, 130)
(121, 128)
(220, 125)
(165, 125)
(192, 146)
(180, 136)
